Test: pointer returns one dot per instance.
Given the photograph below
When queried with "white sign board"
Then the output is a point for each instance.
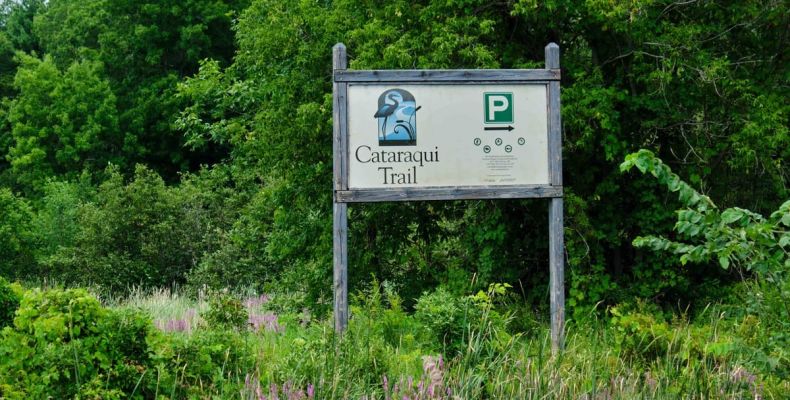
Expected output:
(440, 135)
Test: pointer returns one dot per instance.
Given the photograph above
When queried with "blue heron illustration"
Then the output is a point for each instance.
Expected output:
(397, 112)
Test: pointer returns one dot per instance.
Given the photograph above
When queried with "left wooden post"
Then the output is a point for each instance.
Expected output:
(339, 209)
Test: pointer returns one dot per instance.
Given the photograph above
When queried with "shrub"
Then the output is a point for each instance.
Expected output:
(9, 302)
(64, 344)
(225, 311)
(56, 223)
(448, 316)
(734, 236)
(189, 366)
(137, 232)
(15, 249)
(640, 332)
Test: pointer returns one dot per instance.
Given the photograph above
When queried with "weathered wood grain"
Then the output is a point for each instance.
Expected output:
(340, 272)
(340, 210)
(462, 76)
(556, 223)
(557, 274)
(447, 193)
(339, 62)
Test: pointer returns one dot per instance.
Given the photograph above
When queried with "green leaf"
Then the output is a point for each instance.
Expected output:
(724, 261)
(685, 194)
(731, 215)
(642, 164)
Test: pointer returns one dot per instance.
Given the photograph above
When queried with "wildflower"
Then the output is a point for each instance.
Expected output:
(256, 301)
(310, 391)
(264, 321)
(273, 392)
(433, 370)
(650, 381)
(740, 374)
(173, 325)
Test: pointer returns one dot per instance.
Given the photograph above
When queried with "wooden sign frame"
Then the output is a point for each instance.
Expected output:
(550, 76)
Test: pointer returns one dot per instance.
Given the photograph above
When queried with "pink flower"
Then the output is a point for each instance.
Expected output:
(266, 322)
(257, 301)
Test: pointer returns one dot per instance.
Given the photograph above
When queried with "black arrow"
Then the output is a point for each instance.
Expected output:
(499, 128)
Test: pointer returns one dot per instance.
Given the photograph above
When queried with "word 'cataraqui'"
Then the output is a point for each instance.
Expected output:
(391, 174)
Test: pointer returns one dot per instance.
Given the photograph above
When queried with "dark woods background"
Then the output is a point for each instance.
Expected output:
(189, 142)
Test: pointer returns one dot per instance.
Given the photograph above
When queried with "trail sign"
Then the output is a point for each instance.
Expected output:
(418, 136)
(410, 135)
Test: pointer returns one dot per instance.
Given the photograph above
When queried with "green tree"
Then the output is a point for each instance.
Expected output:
(16, 22)
(15, 235)
(146, 48)
(16, 34)
(139, 232)
(61, 122)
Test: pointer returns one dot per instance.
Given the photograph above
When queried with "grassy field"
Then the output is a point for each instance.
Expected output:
(162, 344)
(383, 356)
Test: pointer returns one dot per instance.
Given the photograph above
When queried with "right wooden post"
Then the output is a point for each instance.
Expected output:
(556, 230)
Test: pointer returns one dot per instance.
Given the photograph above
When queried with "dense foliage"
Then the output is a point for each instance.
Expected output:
(187, 143)
(173, 85)
(64, 344)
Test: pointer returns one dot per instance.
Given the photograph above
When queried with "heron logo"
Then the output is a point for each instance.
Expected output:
(498, 108)
(397, 118)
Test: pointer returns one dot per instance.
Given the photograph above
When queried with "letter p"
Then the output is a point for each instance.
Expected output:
(499, 107)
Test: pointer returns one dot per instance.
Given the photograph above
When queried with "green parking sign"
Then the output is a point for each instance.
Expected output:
(498, 107)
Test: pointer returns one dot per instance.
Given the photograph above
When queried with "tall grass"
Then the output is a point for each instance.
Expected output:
(308, 358)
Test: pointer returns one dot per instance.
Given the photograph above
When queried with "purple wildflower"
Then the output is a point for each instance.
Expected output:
(256, 301)
(183, 324)
(173, 325)
(266, 322)
(740, 374)
(273, 392)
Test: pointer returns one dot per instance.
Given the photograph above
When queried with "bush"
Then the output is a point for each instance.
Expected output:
(64, 344)
(189, 366)
(56, 223)
(448, 316)
(732, 238)
(9, 303)
(15, 250)
(640, 331)
(140, 232)
(225, 311)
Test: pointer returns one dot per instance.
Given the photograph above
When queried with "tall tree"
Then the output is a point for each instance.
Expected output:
(146, 48)
(62, 121)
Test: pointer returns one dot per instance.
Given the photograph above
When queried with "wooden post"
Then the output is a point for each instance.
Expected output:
(340, 210)
(556, 230)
